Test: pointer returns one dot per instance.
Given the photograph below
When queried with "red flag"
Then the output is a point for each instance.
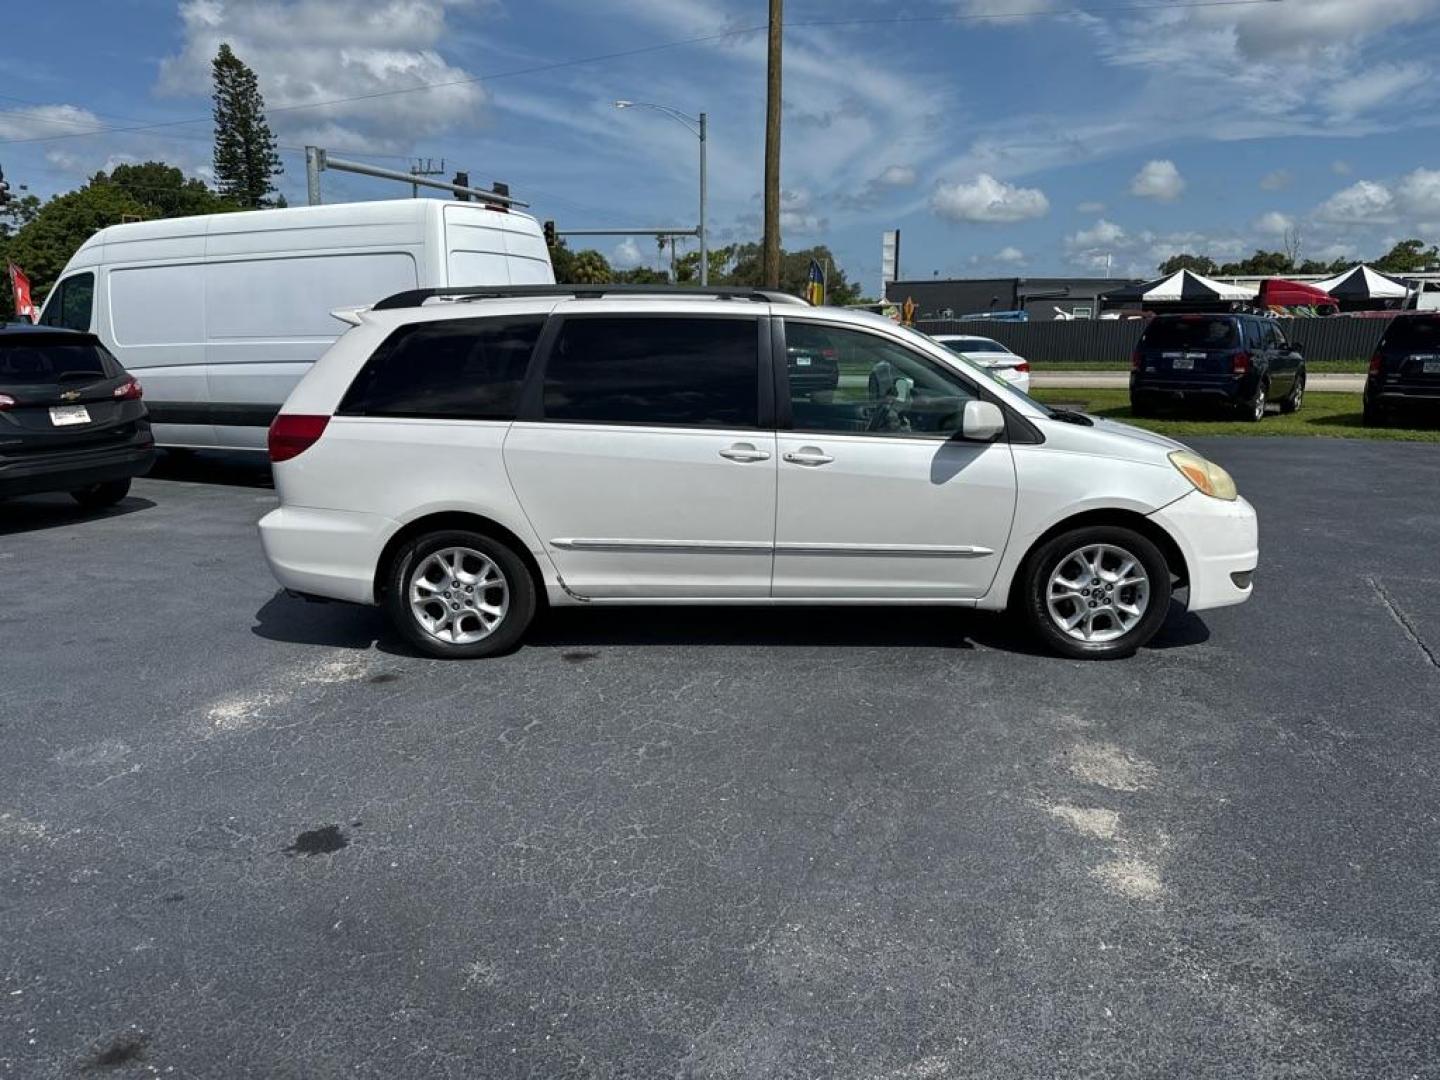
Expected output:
(20, 285)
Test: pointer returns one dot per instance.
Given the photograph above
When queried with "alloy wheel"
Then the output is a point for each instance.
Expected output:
(1097, 593)
(458, 595)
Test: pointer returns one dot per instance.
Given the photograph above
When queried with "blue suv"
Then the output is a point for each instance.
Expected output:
(1241, 362)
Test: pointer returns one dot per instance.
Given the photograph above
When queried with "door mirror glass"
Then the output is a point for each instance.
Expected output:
(983, 421)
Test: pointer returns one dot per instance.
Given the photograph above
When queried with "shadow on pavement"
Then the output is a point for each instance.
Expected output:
(350, 626)
(27, 513)
(227, 467)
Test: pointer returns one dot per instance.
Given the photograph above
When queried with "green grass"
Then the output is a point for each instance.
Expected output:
(1324, 415)
(1315, 367)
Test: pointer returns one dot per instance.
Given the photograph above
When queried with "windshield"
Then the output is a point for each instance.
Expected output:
(31, 360)
(1190, 332)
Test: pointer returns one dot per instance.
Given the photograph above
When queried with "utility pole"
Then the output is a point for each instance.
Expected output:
(424, 168)
(771, 247)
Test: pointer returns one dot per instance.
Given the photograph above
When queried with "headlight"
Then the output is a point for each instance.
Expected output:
(1205, 475)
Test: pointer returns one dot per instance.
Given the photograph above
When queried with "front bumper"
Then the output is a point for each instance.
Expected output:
(1221, 544)
(329, 553)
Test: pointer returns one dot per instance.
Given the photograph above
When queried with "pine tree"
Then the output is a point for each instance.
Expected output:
(245, 157)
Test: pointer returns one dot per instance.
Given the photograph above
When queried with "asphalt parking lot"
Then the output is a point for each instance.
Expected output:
(241, 835)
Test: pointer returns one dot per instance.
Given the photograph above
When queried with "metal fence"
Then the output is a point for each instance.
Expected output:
(1091, 341)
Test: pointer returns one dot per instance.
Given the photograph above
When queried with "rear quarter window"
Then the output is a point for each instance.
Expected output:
(455, 369)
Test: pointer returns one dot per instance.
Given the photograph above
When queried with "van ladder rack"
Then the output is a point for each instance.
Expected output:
(416, 297)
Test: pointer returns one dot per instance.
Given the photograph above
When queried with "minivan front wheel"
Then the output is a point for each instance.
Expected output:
(1096, 593)
(457, 594)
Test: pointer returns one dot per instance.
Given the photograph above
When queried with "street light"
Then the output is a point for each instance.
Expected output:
(696, 126)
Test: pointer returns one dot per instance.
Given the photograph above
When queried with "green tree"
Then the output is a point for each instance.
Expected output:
(246, 162)
(1261, 264)
(1408, 257)
(44, 245)
(642, 275)
(1312, 266)
(1196, 264)
(165, 190)
(590, 268)
(746, 269)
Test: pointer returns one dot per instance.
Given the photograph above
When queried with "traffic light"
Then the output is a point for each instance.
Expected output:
(549, 233)
(4, 189)
(462, 179)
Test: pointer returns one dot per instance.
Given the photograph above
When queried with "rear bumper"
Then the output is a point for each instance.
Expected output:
(1221, 544)
(1383, 391)
(1214, 389)
(74, 469)
(328, 553)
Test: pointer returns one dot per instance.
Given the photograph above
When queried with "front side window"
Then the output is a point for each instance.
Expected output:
(878, 387)
(455, 369)
(666, 371)
(72, 304)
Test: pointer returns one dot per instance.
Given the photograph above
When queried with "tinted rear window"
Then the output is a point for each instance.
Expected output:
(974, 345)
(457, 369)
(1410, 335)
(674, 372)
(31, 360)
(1191, 334)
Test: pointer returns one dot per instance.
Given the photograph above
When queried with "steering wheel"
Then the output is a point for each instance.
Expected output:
(885, 417)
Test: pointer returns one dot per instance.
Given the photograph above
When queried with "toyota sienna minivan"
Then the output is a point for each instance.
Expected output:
(462, 456)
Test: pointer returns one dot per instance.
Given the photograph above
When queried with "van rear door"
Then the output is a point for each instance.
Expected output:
(484, 246)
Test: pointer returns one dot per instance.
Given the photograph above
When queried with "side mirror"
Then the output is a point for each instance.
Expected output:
(982, 421)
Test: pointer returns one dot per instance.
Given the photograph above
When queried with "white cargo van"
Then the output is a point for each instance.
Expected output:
(220, 315)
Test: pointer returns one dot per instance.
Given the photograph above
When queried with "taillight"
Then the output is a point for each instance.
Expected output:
(1241, 364)
(1023, 367)
(1377, 364)
(129, 390)
(291, 434)
(1136, 358)
(7, 402)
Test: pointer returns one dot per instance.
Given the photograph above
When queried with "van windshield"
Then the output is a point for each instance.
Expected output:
(1188, 332)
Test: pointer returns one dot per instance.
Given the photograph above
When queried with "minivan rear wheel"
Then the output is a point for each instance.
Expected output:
(457, 594)
(1096, 593)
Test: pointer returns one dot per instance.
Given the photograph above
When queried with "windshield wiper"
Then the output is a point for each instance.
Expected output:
(1070, 416)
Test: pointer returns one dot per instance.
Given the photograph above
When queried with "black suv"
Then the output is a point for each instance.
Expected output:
(1405, 370)
(1240, 361)
(70, 417)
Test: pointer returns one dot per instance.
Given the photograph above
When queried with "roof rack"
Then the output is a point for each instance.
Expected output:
(416, 297)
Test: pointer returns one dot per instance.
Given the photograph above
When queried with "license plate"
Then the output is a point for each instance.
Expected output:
(802, 361)
(1430, 367)
(65, 415)
(1182, 363)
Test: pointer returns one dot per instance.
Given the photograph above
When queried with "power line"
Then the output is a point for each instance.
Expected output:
(732, 34)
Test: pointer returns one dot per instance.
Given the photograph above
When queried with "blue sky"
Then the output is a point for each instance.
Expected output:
(1047, 140)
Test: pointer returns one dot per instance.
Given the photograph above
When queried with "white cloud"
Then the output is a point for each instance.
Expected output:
(896, 176)
(1011, 256)
(1009, 9)
(1419, 193)
(310, 51)
(1091, 208)
(1274, 223)
(798, 216)
(1373, 89)
(1341, 168)
(1363, 202)
(1278, 180)
(627, 255)
(987, 200)
(1102, 234)
(1310, 27)
(40, 121)
(1159, 180)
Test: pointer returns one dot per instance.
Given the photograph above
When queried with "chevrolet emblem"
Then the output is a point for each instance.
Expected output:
(70, 395)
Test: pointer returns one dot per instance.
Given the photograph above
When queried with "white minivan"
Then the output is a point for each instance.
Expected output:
(220, 315)
(461, 459)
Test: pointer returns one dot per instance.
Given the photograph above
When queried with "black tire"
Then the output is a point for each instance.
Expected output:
(1045, 560)
(519, 587)
(99, 496)
(1142, 408)
(1253, 410)
(1375, 416)
(1293, 400)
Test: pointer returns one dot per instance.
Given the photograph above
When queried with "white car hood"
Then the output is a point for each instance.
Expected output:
(1130, 431)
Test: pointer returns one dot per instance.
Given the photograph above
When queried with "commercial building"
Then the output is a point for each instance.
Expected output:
(946, 298)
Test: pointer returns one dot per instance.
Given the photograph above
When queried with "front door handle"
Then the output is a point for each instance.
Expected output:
(808, 455)
(744, 451)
